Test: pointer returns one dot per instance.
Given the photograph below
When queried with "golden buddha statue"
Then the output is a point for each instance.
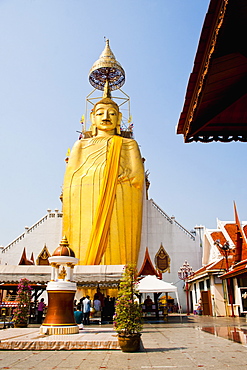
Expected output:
(103, 191)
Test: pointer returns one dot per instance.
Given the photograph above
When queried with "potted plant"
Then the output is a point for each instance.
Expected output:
(128, 312)
(21, 312)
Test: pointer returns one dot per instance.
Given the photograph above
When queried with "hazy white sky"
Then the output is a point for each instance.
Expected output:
(47, 49)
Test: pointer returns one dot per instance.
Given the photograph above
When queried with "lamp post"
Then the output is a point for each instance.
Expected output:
(226, 250)
(184, 273)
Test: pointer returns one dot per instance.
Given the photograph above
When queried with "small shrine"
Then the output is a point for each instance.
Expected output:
(61, 291)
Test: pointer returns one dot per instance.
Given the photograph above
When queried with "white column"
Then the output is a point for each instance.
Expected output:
(56, 271)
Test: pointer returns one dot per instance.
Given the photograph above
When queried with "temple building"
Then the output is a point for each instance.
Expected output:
(215, 101)
(107, 216)
(30, 251)
(220, 285)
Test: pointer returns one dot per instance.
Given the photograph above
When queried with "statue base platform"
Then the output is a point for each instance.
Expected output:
(29, 338)
(59, 330)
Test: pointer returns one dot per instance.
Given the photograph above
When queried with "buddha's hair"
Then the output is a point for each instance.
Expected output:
(106, 101)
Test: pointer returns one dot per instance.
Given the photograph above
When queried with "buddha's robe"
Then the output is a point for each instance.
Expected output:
(102, 200)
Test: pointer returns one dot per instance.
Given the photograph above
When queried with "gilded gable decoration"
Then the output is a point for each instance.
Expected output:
(43, 257)
(162, 260)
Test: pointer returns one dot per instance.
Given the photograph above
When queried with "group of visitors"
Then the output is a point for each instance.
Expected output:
(83, 309)
(101, 308)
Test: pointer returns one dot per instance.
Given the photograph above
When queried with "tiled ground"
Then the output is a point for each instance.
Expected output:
(178, 344)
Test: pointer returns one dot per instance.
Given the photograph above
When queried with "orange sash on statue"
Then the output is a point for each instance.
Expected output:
(102, 219)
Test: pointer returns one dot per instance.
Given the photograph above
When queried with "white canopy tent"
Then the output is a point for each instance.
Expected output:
(151, 284)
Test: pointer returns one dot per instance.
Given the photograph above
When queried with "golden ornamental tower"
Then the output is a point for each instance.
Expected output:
(107, 68)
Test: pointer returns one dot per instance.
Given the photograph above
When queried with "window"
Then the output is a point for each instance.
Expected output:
(195, 291)
(201, 285)
(242, 282)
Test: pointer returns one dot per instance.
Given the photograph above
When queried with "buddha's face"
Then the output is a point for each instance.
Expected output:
(106, 117)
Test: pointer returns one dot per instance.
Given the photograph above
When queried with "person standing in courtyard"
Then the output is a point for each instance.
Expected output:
(97, 306)
(86, 310)
(148, 304)
(41, 307)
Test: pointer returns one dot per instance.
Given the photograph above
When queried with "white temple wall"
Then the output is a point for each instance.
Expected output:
(179, 244)
(47, 231)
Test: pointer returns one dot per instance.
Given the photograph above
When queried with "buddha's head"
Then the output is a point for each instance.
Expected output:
(106, 118)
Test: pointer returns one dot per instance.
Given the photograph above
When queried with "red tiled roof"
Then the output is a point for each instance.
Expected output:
(244, 247)
(216, 96)
(24, 260)
(147, 267)
(245, 230)
(199, 271)
(232, 230)
(203, 269)
(237, 270)
(218, 235)
(217, 265)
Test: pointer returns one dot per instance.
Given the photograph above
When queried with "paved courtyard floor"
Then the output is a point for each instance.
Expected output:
(181, 343)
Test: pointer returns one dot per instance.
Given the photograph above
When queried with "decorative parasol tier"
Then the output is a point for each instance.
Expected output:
(107, 68)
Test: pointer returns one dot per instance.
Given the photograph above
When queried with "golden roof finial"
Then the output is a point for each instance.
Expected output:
(64, 242)
(107, 52)
(107, 68)
(63, 249)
